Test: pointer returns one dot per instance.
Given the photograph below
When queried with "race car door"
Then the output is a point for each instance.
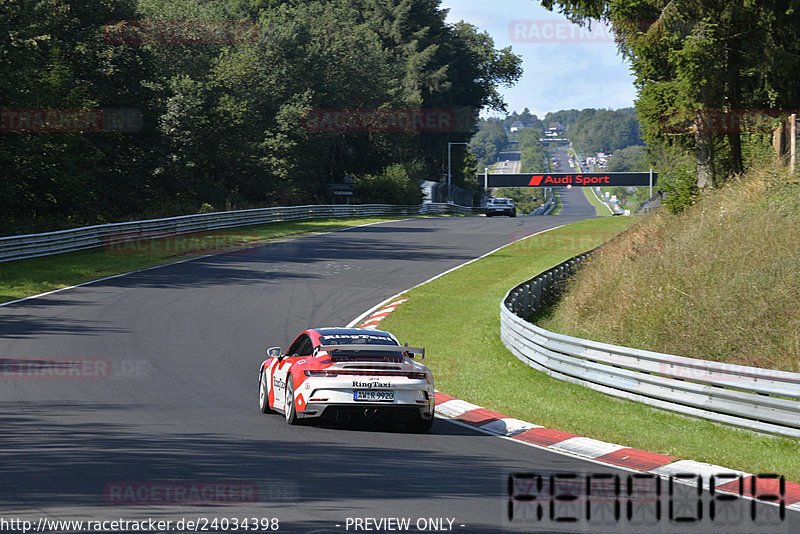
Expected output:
(301, 347)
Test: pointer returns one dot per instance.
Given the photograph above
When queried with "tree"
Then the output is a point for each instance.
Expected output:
(224, 122)
(630, 159)
(604, 130)
(392, 186)
(488, 142)
(697, 59)
(532, 153)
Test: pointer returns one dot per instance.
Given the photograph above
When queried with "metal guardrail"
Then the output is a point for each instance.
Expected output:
(34, 245)
(758, 399)
(545, 208)
(652, 203)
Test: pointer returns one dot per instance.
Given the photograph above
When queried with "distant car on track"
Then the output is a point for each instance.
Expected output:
(348, 374)
(501, 206)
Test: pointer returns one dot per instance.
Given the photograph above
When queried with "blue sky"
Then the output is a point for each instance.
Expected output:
(563, 66)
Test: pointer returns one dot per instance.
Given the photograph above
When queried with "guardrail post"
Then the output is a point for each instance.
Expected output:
(526, 308)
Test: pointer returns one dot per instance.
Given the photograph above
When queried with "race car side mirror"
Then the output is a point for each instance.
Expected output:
(274, 352)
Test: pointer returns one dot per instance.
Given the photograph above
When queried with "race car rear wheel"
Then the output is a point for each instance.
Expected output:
(263, 401)
(291, 414)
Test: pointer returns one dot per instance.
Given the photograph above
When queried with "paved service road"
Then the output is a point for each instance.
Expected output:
(164, 403)
(509, 162)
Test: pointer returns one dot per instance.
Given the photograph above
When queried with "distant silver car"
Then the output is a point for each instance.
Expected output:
(501, 206)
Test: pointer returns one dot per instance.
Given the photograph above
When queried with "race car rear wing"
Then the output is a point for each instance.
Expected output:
(395, 349)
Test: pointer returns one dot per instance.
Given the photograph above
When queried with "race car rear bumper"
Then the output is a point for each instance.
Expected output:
(492, 212)
(334, 398)
(385, 413)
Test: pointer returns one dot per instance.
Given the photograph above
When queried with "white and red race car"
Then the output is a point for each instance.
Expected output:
(348, 374)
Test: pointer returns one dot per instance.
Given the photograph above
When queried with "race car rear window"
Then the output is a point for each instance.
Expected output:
(356, 339)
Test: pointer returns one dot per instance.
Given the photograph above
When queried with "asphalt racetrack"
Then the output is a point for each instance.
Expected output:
(166, 399)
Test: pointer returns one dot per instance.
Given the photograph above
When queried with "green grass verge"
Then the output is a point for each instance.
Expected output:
(559, 205)
(22, 278)
(456, 318)
(602, 209)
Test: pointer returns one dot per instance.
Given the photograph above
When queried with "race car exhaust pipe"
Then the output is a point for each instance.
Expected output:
(372, 412)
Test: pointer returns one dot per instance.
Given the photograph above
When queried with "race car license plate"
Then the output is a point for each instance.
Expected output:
(373, 395)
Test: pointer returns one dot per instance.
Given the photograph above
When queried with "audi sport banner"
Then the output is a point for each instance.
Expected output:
(573, 179)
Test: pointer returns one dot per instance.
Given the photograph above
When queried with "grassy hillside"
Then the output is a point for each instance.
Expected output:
(719, 281)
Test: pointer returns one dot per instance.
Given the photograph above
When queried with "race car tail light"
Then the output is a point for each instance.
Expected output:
(414, 375)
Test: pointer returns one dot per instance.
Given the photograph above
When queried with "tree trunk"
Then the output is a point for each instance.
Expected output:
(732, 72)
(779, 143)
(704, 150)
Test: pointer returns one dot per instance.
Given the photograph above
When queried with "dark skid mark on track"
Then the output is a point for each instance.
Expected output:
(23, 326)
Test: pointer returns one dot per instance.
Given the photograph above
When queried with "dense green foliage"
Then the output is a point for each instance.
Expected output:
(490, 139)
(392, 186)
(567, 117)
(532, 153)
(629, 159)
(223, 122)
(495, 136)
(699, 67)
(604, 130)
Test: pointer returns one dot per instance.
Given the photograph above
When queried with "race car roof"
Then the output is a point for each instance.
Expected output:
(355, 335)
